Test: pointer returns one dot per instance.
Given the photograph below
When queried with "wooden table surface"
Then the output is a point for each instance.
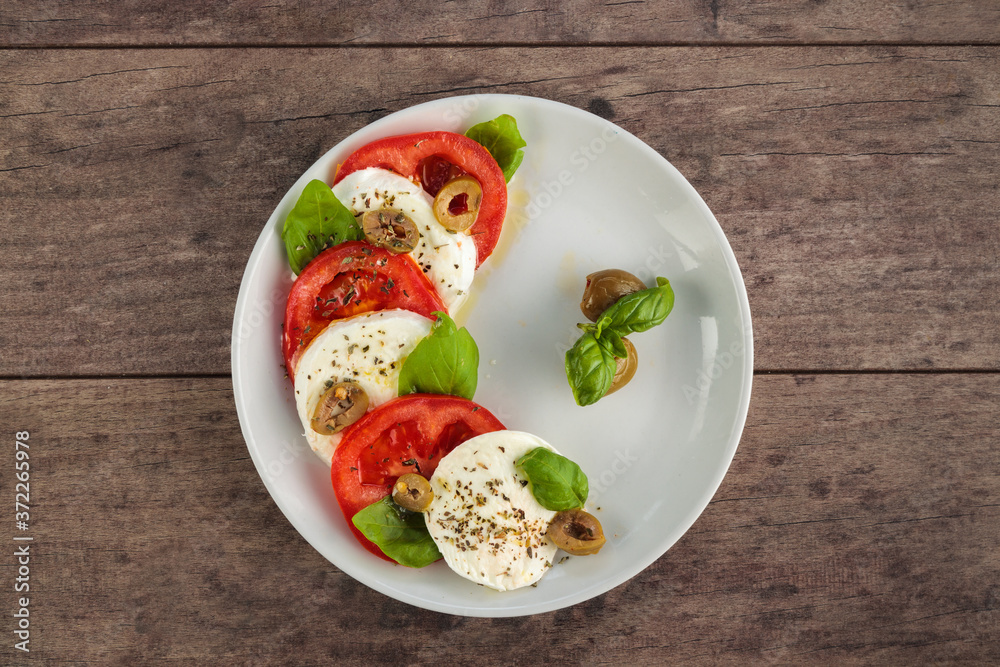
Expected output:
(848, 148)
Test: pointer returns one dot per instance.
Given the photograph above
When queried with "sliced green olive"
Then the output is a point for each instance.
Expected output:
(412, 492)
(624, 368)
(390, 229)
(340, 406)
(456, 205)
(604, 288)
(576, 532)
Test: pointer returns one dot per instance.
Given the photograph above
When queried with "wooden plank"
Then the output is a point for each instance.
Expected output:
(858, 525)
(253, 22)
(856, 185)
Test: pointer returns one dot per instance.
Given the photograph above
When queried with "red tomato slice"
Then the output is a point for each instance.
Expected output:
(407, 434)
(435, 172)
(406, 154)
(346, 280)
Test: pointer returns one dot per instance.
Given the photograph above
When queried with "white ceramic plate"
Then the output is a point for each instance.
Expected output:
(588, 196)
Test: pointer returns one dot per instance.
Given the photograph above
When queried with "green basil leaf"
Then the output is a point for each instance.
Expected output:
(613, 343)
(501, 138)
(556, 482)
(444, 362)
(590, 368)
(317, 222)
(401, 535)
(638, 311)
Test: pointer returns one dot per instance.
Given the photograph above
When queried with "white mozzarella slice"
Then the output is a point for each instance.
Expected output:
(484, 519)
(368, 349)
(448, 260)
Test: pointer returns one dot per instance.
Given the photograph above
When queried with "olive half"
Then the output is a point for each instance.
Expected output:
(412, 492)
(390, 229)
(340, 406)
(624, 368)
(604, 288)
(576, 532)
(456, 205)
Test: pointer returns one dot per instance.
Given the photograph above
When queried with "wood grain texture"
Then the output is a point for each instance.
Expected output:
(858, 524)
(160, 22)
(857, 186)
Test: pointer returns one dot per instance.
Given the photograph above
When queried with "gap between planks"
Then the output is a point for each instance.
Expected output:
(490, 45)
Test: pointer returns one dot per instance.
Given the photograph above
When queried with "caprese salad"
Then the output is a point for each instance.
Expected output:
(384, 379)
